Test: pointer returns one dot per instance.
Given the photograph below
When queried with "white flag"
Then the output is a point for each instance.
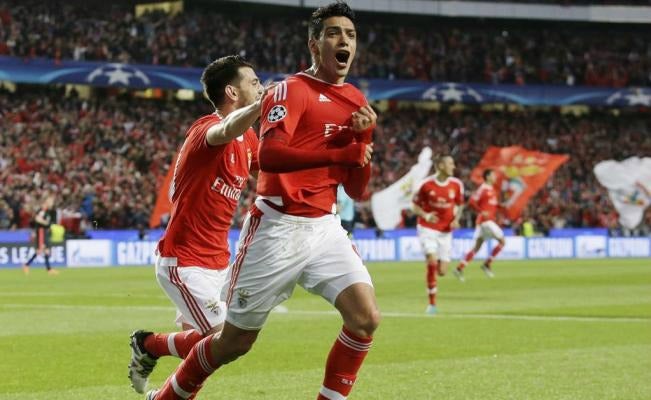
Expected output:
(629, 186)
(387, 205)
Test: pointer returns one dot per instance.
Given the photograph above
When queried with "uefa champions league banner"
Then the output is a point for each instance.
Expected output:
(135, 76)
(396, 246)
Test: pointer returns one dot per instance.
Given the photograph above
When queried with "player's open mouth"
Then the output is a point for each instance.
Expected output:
(342, 58)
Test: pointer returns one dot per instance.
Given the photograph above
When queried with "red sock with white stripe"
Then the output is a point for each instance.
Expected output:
(431, 282)
(344, 360)
(494, 254)
(191, 374)
(469, 256)
(176, 344)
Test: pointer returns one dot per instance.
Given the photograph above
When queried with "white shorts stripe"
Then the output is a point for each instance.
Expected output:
(189, 300)
(171, 346)
(195, 310)
(178, 389)
(331, 394)
(254, 222)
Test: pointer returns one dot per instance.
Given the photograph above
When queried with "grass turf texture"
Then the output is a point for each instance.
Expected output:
(539, 330)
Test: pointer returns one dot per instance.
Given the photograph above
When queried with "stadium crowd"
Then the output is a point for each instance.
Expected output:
(105, 158)
(410, 48)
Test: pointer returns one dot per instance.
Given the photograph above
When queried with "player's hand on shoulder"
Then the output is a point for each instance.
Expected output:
(263, 94)
(363, 119)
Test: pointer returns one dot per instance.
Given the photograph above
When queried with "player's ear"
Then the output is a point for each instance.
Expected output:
(231, 92)
(313, 46)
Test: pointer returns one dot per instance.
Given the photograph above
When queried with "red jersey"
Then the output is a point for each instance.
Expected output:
(313, 114)
(439, 198)
(204, 192)
(484, 201)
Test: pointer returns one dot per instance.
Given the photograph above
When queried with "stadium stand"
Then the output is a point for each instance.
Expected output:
(105, 156)
(413, 48)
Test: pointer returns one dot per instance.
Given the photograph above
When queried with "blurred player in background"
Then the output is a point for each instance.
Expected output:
(315, 134)
(213, 165)
(486, 203)
(438, 203)
(43, 219)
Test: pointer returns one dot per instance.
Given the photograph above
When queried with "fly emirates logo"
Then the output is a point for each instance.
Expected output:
(330, 129)
(230, 192)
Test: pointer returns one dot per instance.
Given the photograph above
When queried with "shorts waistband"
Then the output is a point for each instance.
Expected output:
(270, 212)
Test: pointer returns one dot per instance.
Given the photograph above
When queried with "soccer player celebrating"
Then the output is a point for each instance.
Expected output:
(485, 202)
(438, 203)
(42, 222)
(212, 167)
(315, 134)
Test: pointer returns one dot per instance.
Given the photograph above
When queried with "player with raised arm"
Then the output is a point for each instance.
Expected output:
(212, 167)
(438, 203)
(315, 134)
(485, 202)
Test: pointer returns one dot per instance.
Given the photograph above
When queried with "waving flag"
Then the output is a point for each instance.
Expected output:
(387, 204)
(163, 202)
(629, 186)
(520, 174)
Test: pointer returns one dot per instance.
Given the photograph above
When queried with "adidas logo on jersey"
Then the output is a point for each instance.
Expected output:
(324, 99)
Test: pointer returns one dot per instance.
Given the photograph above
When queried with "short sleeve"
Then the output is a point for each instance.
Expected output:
(196, 141)
(283, 107)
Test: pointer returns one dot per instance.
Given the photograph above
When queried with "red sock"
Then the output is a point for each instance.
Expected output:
(494, 254)
(176, 344)
(431, 282)
(190, 375)
(344, 360)
(469, 256)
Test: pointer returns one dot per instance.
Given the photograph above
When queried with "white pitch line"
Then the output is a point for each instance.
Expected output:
(335, 313)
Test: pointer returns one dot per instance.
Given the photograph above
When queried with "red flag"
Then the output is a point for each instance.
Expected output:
(520, 174)
(163, 204)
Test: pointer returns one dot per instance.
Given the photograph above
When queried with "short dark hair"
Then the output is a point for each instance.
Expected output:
(220, 73)
(337, 9)
(487, 172)
(439, 159)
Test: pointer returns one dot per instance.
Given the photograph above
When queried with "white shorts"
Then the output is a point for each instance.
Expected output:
(488, 230)
(276, 251)
(195, 291)
(438, 244)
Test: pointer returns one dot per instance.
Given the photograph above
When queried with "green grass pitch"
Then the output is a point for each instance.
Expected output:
(540, 330)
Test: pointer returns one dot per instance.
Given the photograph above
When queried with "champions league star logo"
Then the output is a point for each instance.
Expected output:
(276, 113)
(118, 74)
(631, 97)
(452, 92)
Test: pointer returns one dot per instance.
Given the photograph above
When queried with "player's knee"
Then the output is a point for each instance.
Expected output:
(368, 322)
(233, 347)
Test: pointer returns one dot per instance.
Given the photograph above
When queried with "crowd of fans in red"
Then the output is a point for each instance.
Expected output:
(104, 158)
(410, 48)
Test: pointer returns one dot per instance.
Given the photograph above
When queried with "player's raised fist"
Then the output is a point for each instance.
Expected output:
(363, 119)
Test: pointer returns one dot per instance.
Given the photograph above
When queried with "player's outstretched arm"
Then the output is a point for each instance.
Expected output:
(277, 156)
(235, 123)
